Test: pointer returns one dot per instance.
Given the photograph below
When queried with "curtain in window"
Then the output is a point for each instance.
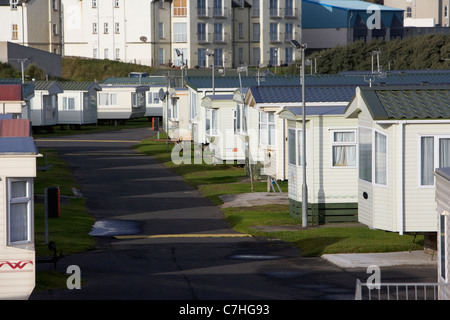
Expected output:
(344, 155)
(271, 127)
(427, 161)
(380, 159)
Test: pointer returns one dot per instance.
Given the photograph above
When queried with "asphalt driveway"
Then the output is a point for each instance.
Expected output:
(182, 248)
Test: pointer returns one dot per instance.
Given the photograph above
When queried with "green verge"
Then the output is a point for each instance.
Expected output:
(69, 232)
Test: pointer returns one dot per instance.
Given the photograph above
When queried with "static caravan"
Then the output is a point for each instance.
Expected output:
(270, 130)
(442, 176)
(15, 99)
(176, 121)
(331, 158)
(403, 136)
(202, 86)
(17, 252)
(44, 104)
(121, 102)
(154, 105)
(221, 127)
(77, 105)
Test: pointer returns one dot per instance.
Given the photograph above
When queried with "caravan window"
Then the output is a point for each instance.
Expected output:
(19, 211)
(344, 148)
(434, 153)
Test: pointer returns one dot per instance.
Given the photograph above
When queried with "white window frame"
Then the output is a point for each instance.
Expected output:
(110, 98)
(68, 103)
(377, 182)
(265, 133)
(28, 200)
(211, 116)
(436, 138)
(335, 144)
(298, 142)
(173, 110)
(153, 98)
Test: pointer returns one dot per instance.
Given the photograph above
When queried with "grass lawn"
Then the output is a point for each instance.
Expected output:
(70, 231)
(216, 180)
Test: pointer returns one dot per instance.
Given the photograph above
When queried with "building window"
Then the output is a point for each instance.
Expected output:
(241, 55)
(14, 4)
(201, 57)
(106, 27)
(15, 32)
(255, 8)
(241, 30)
(445, 11)
(211, 122)
(218, 57)
(267, 128)
(289, 32)
(180, 32)
(273, 59)
(408, 12)
(94, 28)
(344, 148)
(95, 53)
(55, 29)
(20, 208)
(218, 8)
(68, 103)
(117, 54)
(256, 33)
(434, 153)
(193, 105)
(201, 8)
(107, 99)
(218, 32)
(180, 8)
(94, 3)
(117, 27)
(273, 7)
(55, 5)
(116, 3)
(289, 56)
(256, 56)
(273, 32)
(161, 30)
(201, 32)
(161, 56)
(106, 52)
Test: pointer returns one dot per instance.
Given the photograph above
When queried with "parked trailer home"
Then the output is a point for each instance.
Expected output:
(221, 127)
(121, 102)
(77, 105)
(44, 104)
(154, 106)
(15, 98)
(403, 136)
(18, 154)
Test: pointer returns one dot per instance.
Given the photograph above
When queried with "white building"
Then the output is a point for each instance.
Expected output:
(165, 33)
(423, 13)
(33, 23)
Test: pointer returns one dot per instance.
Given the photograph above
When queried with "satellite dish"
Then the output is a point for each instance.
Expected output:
(162, 94)
(143, 39)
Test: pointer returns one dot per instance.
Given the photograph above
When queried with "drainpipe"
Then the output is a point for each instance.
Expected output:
(401, 188)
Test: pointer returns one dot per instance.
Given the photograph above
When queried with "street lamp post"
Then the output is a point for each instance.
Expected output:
(304, 185)
(179, 53)
(210, 54)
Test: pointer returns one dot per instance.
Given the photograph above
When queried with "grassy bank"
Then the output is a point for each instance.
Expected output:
(70, 231)
(216, 180)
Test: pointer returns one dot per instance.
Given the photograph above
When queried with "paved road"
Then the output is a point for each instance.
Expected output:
(171, 263)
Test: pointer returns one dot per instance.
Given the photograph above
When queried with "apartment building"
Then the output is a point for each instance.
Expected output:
(32, 23)
(423, 13)
(166, 33)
